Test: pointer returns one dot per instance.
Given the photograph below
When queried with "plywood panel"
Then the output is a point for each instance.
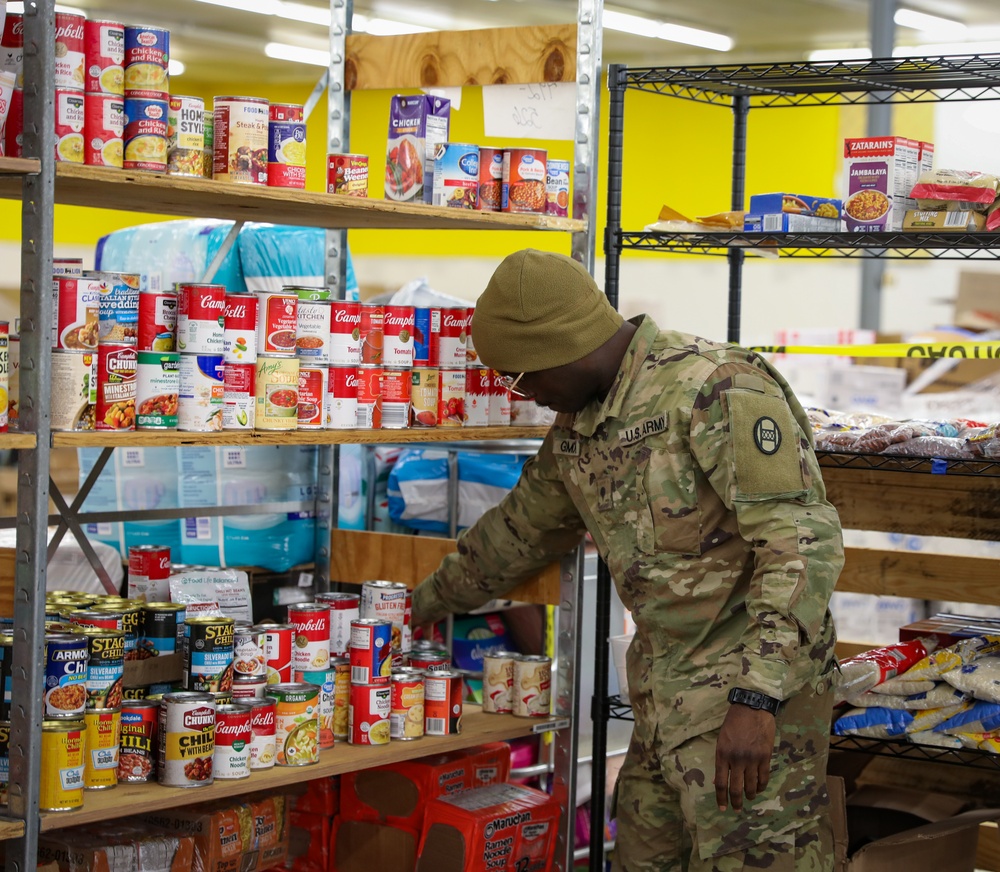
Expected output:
(357, 556)
(7, 560)
(498, 56)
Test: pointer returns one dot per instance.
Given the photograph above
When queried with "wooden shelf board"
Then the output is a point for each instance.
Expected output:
(11, 829)
(106, 188)
(136, 799)
(150, 438)
(17, 440)
(19, 166)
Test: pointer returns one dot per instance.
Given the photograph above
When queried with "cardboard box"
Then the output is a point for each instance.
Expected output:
(116, 846)
(949, 629)
(362, 846)
(166, 669)
(321, 796)
(308, 842)
(785, 222)
(880, 175)
(797, 204)
(977, 306)
(865, 388)
(944, 221)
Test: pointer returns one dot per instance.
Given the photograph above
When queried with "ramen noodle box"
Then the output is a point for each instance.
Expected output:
(456, 175)
(406, 718)
(239, 146)
(76, 306)
(104, 56)
(286, 146)
(397, 333)
(71, 117)
(103, 128)
(478, 393)
(233, 733)
(12, 48)
(531, 692)
(499, 402)
(314, 326)
(239, 403)
(557, 188)
(138, 748)
(145, 134)
(490, 180)
(424, 386)
(341, 696)
(345, 333)
(371, 651)
(347, 174)
(100, 767)
(118, 306)
(524, 175)
(116, 368)
(149, 573)
(157, 390)
(878, 170)
(276, 393)
(239, 341)
(385, 601)
(312, 636)
(147, 52)
(208, 653)
(277, 322)
(443, 694)
(296, 718)
(202, 388)
(157, 320)
(185, 136)
(498, 681)
(63, 752)
(368, 714)
(186, 739)
(262, 738)
(313, 396)
(74, 390)
(372, 334)
(369, 398)
(248, 651)
(452, 336)
(69, 53)
(396, 386)
(207, 154)
(66, 658)
(201, 318)
(325, 680)
(279, 640)
(451, 397)
(342, 398)
(426, 335)
(416, 125)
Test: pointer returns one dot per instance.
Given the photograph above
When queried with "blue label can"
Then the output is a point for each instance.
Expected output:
(147, 58)
(66, 660)
(456, 175)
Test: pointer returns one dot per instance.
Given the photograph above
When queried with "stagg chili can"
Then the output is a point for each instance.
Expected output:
(314, 331)
(296, 718)
(286, 146)
(406, 720)
(105, 667)
(385, 601)
(157, 321)
(312, 636)
(498, 681)
(424, 388)
(279, 640)
(149, 572)
(239, 146)
(147, 52)
(103, 130)
(145, 134)
(208, 654)
(233, 734)
(70, 51)
(478, 393)
(345, 333)
(344, 608)
(371, 651)
(342, 398)
(325, 680)
(249, 687)
(202, 390)
(396, 386)
(100, 767)
(490, 179)
(239, 340)
(63, 750)
(262, 732)
(276, 393)
(104, 56)
(451, 339)
(313, 395)
(249, 659)
(368, 714)
(136, 694)
(66, 657)
(398, 333)
(131, 615)
(451, 397)
(443, 695)
(163, 628)
(347, 174)
(201, 318)
(138, 746)
(372, 335)
(185, 136)
(369, 398)
(341, 695)
(499, 402)
(531, 692)
(186, 739)
(239, 409)
(277, 322)
(157, 391)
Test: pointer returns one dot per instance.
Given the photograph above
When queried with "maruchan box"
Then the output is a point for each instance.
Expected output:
(501, 828)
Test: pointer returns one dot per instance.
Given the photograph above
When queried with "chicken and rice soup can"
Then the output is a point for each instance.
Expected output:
(276, 391)
(64, 746)
(66, 659)
(368, 714)
(233, 733)
(325, 680)
(239, 147)
(104, 56)
(202, 390)
(531, 691)
(406, 720)
(158, 384)
(70, 51)
(344, 608)
(145, 134)
(103, 130)
(262, 732)
(371, 651)
(100, 767)
(71, 118)
(147, 53)
(443, 702)
(208, 653)
(186, 739)
(296, 720)
(286, 146)
(138, 749)
(239, 403)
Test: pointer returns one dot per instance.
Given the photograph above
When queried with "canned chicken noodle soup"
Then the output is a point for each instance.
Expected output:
(296, 723)
(312, 636)
(368, 714)
(233, 734)
(262, 733)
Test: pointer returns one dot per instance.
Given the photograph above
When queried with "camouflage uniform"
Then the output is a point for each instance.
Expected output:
(697, 480)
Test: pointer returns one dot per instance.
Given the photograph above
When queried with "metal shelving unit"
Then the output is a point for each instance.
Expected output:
(972, 758)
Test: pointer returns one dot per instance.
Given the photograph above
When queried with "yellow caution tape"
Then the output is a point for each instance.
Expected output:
(968, 350)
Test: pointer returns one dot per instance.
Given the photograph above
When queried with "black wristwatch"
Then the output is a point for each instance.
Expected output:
(755, 699)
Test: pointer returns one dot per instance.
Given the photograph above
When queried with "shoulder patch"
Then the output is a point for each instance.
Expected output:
(641, 429)
(767, 435)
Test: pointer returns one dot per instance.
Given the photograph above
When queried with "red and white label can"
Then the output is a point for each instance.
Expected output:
(345, 333)
(313, 396)
(239, 329)
(277, 322)
(451, 343)
(116, 368)
(398, 336)
(103, 128)
(347, 174)
(406, 718)
(312, 636)
(279, 639)
(69, 53)
(499, 402)
(368, 714)
(262, 733)
(286, 146)
(371, 651)
(239, 401)
(13, 132)
(478, 392)
(369, 398)
(233, 732)
(342, 398)
(424, 397)
(313, 332)
(372, 334)
(71, 118)
(201, 312)
(451, 397)
(104, 54)
(76, 306)
(396, 386)
(12, 43)
(157, 321)
(344, 608)
(443, 692)
(149, 572)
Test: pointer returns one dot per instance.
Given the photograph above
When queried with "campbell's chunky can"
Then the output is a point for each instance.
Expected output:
(157, 320)
(239, 342)
(368, 714)
(342, 398)
(103, 130)
(277, 322)
(279, 641)
(369, 398)
(347, 174)
(396, 386)
(104, 56)
(145, 135)
(71, 118)
(157, 391)
(451, 339)
(70, 56)
(344, 608)
(239, 401)
(451, 397)
(201, 318)
(186, 739)
(286, 146)
(313, 396)
(397, 330)
(372, 337)
(239, 146)
(116, 369)
(478, 394)
(147, 53)
(149, 573)
(345, 333)
(424, 388)
(312, 636)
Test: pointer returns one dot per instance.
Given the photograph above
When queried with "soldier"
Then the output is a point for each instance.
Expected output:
(691, 465)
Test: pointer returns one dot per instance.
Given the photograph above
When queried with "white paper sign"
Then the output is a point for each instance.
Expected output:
(543, 111)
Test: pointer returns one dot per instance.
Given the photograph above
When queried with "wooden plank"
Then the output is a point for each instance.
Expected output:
(18, 440)
(135, 799)
(960, 506)
(988, 849)
(847, 649)
(140, 438)
(19, 166)
(11, 829)
(106, 188)
(497, 56)
(8, 558)
(357, 556)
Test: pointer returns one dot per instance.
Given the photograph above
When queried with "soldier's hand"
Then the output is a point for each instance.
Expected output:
(743, 755)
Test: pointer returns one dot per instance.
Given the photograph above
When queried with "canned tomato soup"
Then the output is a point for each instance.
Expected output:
(312, 636)
(443, 695)
(138, 745)
(248, 651)
(277, 322)
(239, 341)
(296, 718)
(325, 680)
(368, 714)
(145, 134)
(424, 387)
(342, 398)
(70, 54)
(103, 731)
(369, 408)
(345, 333)
(239, 147)
(147, 50)
(186, 739)
(104, 56)
(277, 393)
(313, 331)
(341, 695)
(185, 136)
(208, 654)
(103, 130)
(262, 735)
(157, 320)
(498, 680)
(149, 572)
(71, 118)
(531, 691)
(63, 750)
(313, 396)
(239, 405)
(398, 331)
(286, 146)
(233, 734)
(105, 667)
(279, 640)
(163, 628)
(371, 651)
(406, 719)
(202, 390)
(66, 658)
(157, 391)
(347, 174)
(200, 318)
(344, 608)
(499, 402)
(430, 658)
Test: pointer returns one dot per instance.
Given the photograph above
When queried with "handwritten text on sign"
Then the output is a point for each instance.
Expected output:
(542, 111)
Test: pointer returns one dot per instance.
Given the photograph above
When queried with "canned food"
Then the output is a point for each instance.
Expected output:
(138, 749)
(63, 751)
(471, 355)
(66, 659)
(163, 628)
(186, 739)
(239, 409)
(104, 56)
(117, 306)
(313, 395)
(443, 701)
(157, 321)
(105, 667)
(248, 651)
(103, 130)
(186, 136)
(396, 385)
(499, 402)
(13, 132)
(424, 388)
(478, 392)
(12, 41)
(368, 714)
(385, 601)
(6, 672)
(456, 175)
(249, 687)
(342, 398)
(312, 636)
(325, 680)
(147, 50)
(398, 332)
(344, 608)
(286, 146)
(426, 335)
(371, 651)
(222, 697)
(76, 306)
(262, 733)
(372, 334)
(498, 680)
(70, 51)
(4, 377)
(369, 398)
(74, 389)
(276, 392)
(406, 720)
(103, 739)
(4, 760)
(524, 180)
(157, 392)
(200, 318)
(430, 658)
(313, 331)
(149, 573)
(239, 148)
(451, 397)
(239, 340)
(14, 380)
(202, 390)
(131, 617)
(277, 322)
(279, 640)
(345, 333)
(452, 338)
(207, 158)
(557, 188)
(136, 694)
(145, 134)
(233, 734)
(490, 180)
(296, 719)
(341, 695)
(310, 295)
(208, 653)
(71, 118)
(347, 174)
(531, 691)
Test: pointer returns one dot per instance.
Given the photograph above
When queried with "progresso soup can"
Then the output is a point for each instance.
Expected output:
(186, 739)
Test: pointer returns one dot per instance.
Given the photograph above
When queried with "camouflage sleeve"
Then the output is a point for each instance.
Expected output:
(756, 453)
(533, 525)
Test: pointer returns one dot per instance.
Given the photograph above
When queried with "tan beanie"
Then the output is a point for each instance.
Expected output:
(540, 310)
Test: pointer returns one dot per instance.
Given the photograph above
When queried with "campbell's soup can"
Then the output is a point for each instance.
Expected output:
(116, 370)
(471, 355)
(325, 680)
(286, 146)
(456, 175)
(233, 733)
(12, 45)
(368, 714)
(239, 148)
(312, 636)
(424, 388)
(397, 330)
(103, 130)
(104, 57)
(149, 573)
(239, 340)
(70, 56)
(490, 179)
(276, 392)
(344, 608)
(313, 396)
(145, 135)
(157, 391)
(249, 687)
(345, 333)
(371, 651)
(369, 398)
(147, 53)
(406, 718)
(524, 175)
(262, 733)
(396, 386)
(186, 739)
(478, 392)
(71, 118)
(426, 335)
(372, 336)
(13, 131)
(139, 745)
(100, 767)
(342, 398)
(239, 401)
(444, 691)
(185, 136)
(157, 321)
(531, 689)
(296, 716)
(4, 377)
(279, 640)
(499, 402)
(277, 322)
(64, 747)
(313, 332)
(202, 390)
(452, 338)
(347, 174)
(451, 397)
(201, 318)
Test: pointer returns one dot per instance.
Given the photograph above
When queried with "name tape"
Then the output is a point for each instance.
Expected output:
(968, 350)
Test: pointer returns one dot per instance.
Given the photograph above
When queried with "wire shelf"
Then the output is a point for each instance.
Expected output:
(619, 710)
(898, 463)
(909, 751)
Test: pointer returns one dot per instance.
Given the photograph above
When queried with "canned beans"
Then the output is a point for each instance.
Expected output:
(186, 736)
(66, 657)
(63, 751)
(138, 745)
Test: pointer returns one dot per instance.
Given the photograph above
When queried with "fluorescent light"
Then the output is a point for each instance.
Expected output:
(928, 23)
(175, 68)
(828, 55)
(261, 7)
(946, 48)
(639, 26)
(283, 52)
(385, 27)
(308, 14)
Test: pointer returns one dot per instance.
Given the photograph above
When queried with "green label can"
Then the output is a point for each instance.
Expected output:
(158, 384)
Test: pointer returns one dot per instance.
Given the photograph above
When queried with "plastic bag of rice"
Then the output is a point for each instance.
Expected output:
(981, 678)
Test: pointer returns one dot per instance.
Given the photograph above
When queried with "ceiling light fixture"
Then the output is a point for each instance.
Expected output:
(928, 23)
(831, 55)
(639, 26)
(283, 52)
(947, 48)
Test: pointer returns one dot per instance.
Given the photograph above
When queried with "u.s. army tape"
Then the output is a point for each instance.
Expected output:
(930, 350)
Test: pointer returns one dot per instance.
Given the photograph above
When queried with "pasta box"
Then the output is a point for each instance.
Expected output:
(881, 171)
(796, 204)
(789, 222)
(416, 125)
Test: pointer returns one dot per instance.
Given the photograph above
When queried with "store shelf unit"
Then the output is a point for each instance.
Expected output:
(18, 166)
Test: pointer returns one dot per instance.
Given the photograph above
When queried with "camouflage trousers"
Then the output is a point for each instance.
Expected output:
(668, 819)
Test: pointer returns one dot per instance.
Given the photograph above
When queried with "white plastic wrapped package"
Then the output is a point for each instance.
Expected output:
(875, 723)
(861, 673)
(420, 293)
(980, 678)
(934, 666)
(275, 255)
(942, 695)
(938, 740)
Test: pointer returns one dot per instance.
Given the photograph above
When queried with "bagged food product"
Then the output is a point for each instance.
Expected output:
(935, 665)
(937, 188)
(863, 672)
(874, 723)
(941, 695)
(980, 678)
(117, 845)
(981, 717)
(938, 740)
(929, 719)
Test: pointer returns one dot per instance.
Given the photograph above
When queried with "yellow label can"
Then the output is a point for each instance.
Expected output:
(64, 745)
(104, 731)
